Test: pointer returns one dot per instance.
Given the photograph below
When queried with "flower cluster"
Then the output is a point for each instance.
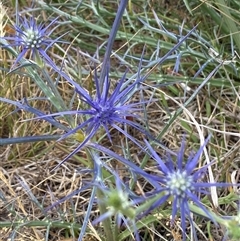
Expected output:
(106, 108)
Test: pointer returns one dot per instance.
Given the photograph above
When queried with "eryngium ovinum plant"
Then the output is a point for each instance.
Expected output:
(123, 213)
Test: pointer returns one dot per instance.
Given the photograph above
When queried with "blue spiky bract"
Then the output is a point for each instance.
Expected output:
(181, 182)
(105, 110)
(33, 37)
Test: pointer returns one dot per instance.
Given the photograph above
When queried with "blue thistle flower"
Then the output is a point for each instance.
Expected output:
(104, 110)
(182, 183)
(29, 36)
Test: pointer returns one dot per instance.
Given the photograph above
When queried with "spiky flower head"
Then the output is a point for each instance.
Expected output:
(116, 203)
(116, 199)
(181, 183)
(32, 38)
(106, 109)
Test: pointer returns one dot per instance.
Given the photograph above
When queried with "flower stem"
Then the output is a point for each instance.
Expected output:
(107, 224)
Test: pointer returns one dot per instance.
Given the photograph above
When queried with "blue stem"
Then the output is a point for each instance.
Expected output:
(111, 39)
(86, 218)
(25, 139)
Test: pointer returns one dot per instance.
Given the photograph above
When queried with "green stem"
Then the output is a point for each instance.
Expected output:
(107, 223)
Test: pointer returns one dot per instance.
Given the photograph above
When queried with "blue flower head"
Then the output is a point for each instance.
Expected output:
(33, 38)
(106, 109)
(182, 183)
